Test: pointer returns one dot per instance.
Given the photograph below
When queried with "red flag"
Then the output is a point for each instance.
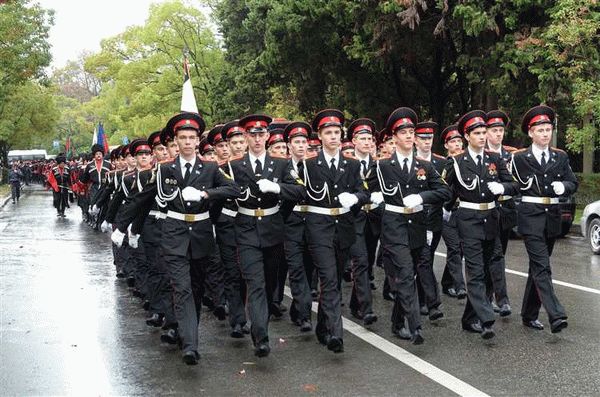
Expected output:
(52, 181)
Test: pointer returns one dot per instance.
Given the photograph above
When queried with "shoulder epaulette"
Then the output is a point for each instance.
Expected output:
(310, 156)
(384, 157)
(438, 156)
(210, 162)
(127, 173)
(457, 154)
(558, 150)
(278, 156)
(422, 159)
(349, 155)
(509, 149)
(520, 150)
(236, 158)
(165, 161)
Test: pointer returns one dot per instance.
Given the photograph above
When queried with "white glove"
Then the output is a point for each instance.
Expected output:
(117, 237)
(559, 187)
(496, 188)
(377, 198)
(191, 194)
(429, 237)
(347, 200)
(446, 215)
(267, 186)
(133, 240)
(412, 200)
(105, 227)
(94, 210)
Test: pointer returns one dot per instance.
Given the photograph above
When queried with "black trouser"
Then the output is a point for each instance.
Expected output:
(140, 267)
(329, 262)
(427, 285)
(453, 275)
(214, 284)
(361, 299)
(15, 190)
(497, 283)
(282, 273)
(478, 257)
(295, 253)
(259, 270)
(539, 290)
(399, 264)
(187, 278)
(61, 200)
(232, 284)
(371, 241)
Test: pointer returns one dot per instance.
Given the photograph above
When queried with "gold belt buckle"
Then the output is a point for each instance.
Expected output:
(304, 208)
(545, 200)
(334, 211)
(367, 207)
(409, 210)
(483, 206)
(259, 212)
(189, 218)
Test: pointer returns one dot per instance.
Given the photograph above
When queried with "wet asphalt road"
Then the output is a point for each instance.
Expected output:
(68, 326)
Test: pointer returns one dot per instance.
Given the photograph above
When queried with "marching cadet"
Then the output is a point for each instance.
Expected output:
(166, 139)
(263, 180)
(478, 178)
(544, 175)
(187, 185)
(61, 177)
(235, 138)
(405, 182)
(223, 215)
(367, 224)
(347, 148)
(207, 151)
(333, 187)
(453, 282)
(96, 173)
(295, 246)
(276, 143)
(497, 121)
(429, 294)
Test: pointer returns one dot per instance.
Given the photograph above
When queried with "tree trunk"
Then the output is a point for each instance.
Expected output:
(588, 150)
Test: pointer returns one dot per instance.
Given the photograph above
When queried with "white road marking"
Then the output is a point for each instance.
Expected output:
(557, 282)
(423, 367)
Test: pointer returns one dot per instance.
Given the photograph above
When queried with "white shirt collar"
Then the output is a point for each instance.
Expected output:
(328, 158)
(260, 158)
(183, 162)
(474, 154)
(537, 153)
(401, 158)
(365, 159)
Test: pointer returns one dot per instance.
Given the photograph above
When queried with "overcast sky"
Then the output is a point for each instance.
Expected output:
(81, 24)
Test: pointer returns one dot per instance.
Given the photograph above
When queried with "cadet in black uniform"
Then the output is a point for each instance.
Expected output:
(497, 121)
(367, 224)
(333, 187)
(405, 183)
(95, 173)
(62, 175)
(478, 178)
(187, 185)
(544, 175)
(295, 245)
(263, 180)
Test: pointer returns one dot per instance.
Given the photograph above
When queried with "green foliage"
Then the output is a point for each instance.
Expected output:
(588, 190)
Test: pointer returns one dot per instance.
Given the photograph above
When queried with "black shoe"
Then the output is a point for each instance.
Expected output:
(473, 327)
(461, 293)
(156, 320)
(373, 286)
(236, 331)
(495, 307)
(323, 338)
(220, 312)
(130, 282)
(171, 337)
(305, 326)
(191, 357)
(417, 337)
(505, 310)
(451, 292)
(435, 314)
(401, 332)
(208, 303)
(146, 305)
(487, 332)
(275, 311)
(314, 294)
(424, 310)
(388, 296)
(356, 314)
(558, 325)
(535, 324)
(347, 276)
(335, 344)
(262, 350)
(120, 275)
(369, 319)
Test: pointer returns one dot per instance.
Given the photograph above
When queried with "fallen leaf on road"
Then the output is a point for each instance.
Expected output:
(310, 388)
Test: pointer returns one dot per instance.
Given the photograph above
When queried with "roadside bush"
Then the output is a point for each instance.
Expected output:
(589, 189)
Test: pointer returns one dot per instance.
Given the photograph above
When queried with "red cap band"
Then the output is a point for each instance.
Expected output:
(329, 120)
(256, 124)
(495, 120)
(234, 129)
(186, 122)
(424, 131)
(363, 128)
(401, 122)
(538, 118)
(473, 121)
(451, 135)
(156, 140)
(142, 148)
(298, 131)
(276, 138)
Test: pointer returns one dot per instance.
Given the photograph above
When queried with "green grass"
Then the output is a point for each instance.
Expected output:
(578, 214)
(4, 190)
